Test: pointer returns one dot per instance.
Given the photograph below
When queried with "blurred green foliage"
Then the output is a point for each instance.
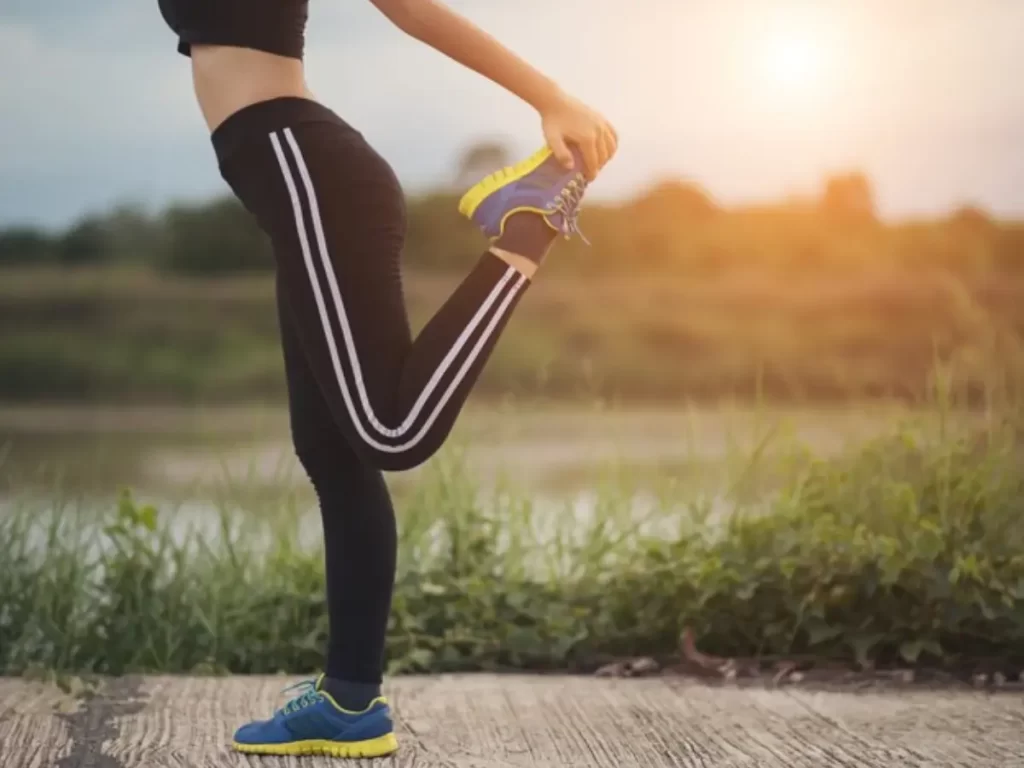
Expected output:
(679, 297)
(674, 230)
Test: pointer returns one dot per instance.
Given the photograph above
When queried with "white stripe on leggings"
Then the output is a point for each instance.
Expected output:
(339, 307)
(346, 330)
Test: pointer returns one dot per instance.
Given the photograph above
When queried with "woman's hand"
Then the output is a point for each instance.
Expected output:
(570, 121)
(565, 120)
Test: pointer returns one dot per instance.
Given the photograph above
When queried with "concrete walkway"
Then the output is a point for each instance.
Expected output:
(513, 722)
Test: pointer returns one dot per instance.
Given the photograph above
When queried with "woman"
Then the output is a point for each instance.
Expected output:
(364, 396)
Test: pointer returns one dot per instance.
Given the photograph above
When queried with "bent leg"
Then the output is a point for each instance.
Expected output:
(338, 226)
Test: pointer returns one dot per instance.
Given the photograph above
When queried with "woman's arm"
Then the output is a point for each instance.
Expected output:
(565, 120)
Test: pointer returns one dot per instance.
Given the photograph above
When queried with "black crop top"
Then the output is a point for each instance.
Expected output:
(274, 26)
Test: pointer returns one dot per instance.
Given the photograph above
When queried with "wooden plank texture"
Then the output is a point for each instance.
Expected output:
(526, 722)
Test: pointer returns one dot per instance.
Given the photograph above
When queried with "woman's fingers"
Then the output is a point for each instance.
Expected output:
(561, 150)
(607, 147)
(591, 155)
(586, 131)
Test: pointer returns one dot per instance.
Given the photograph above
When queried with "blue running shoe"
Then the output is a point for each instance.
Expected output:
(539, 184)
(313, 724)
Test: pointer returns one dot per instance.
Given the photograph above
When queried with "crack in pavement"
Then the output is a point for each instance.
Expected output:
(5, 715)
(94, 724)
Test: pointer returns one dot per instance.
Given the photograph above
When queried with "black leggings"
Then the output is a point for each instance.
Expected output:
(363, 395)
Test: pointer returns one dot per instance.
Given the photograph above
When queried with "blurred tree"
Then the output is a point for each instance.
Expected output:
(970, 218)
(1009, 249)
(670, 201)
(214, 238)
(84, 243)
(849, 197)
(133, 235)
(437, 236)
(25, 245)
(481, 159)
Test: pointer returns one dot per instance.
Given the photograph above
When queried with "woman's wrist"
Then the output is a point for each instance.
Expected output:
(548, 96)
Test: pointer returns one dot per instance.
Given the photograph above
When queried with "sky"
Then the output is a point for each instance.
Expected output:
(751, 99)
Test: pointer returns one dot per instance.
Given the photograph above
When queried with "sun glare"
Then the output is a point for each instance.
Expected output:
(793, 63)
(792, 60)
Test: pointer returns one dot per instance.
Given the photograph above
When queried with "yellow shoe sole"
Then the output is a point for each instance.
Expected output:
(379, 747)
(480, 191)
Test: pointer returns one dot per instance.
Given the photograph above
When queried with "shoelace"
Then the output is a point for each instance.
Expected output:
(568, 204)
(309, 696)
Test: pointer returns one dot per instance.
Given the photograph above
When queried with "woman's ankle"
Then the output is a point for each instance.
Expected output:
(527, 234)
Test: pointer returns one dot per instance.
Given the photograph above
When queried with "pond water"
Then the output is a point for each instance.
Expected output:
(577, 469)
(178, 448)
(193, 462)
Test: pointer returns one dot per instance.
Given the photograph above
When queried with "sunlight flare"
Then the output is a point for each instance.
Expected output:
(793, 62)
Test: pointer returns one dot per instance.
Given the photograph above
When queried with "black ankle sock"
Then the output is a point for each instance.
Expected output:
(355, 697)
(528, 235)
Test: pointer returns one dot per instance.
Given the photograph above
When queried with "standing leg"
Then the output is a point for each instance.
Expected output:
(359, 532)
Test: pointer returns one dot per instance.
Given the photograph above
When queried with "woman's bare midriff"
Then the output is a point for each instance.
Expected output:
(228, 79)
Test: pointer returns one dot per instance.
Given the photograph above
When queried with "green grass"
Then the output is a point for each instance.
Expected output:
(907, 549)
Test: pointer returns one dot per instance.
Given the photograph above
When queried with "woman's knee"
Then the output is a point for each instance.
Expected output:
(400, 454)
(321, 449)
(400, 461)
